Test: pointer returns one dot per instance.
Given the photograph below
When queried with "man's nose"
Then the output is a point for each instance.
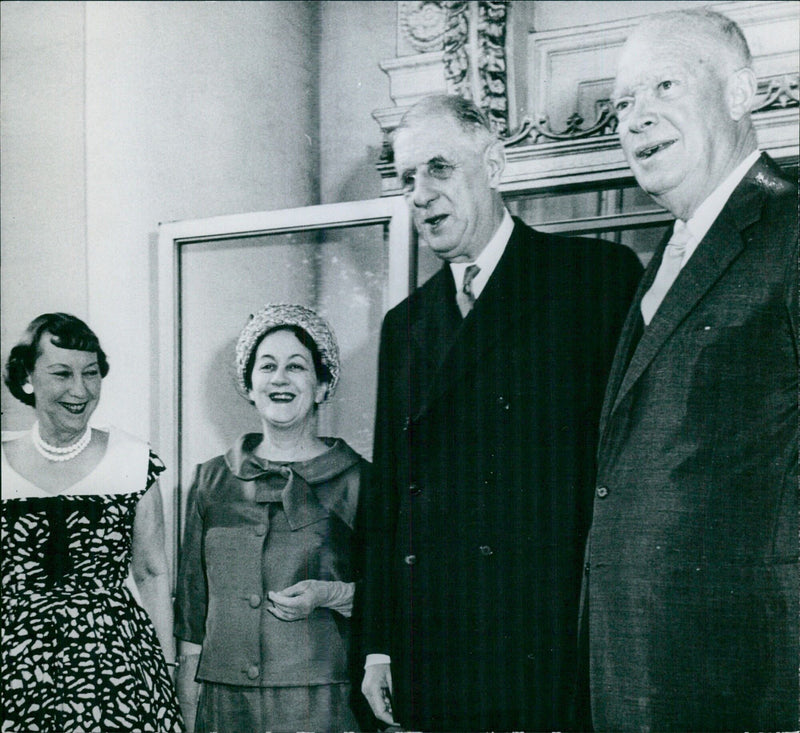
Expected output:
(423, 193)
(642, 115)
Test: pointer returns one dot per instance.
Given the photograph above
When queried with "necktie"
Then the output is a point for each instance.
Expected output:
(465, 297)
(667, 271)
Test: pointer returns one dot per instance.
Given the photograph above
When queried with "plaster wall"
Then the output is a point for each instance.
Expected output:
(118, 116)
(43, 192)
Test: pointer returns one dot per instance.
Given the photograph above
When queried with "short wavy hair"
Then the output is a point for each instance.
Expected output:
(471, 120)
(66, 332)
(719, 39)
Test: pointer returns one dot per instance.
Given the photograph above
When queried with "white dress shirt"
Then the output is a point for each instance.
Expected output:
(486, 260)
(710, 209)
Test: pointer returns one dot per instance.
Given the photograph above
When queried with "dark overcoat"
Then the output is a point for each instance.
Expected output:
(485, 441)
(693, 578)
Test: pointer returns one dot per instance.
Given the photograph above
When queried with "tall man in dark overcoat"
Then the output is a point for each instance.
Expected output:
(489, 392)
(692, 576)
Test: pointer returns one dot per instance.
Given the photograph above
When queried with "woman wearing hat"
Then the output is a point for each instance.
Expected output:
(265, 585)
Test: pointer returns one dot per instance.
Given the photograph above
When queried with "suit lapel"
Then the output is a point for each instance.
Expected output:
(438, 320)
(719, 248)
(431, 335)
(488, 323)
(631, 331)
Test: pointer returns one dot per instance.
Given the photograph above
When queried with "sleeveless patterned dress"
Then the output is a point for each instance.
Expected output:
(79, 653)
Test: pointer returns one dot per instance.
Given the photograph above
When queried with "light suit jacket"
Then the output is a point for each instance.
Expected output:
(691, 588)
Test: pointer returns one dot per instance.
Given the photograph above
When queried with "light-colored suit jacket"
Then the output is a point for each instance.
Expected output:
(691, 585)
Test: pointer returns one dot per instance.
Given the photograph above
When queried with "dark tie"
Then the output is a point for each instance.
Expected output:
(465, 297)
(668, 270)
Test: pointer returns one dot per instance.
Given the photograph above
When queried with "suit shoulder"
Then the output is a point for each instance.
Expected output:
(407, 309)
(209, 471)
(580, 252)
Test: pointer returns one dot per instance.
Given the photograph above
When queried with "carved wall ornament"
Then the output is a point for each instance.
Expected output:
(456, 58)
(423, 23)
(605, 123)
(778, 92)
(565, 131)
(475, 56)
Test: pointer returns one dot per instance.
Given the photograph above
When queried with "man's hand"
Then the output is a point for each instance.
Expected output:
(377, 688)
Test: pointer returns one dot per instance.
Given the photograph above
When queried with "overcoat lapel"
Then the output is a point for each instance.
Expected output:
(492, 317)
(630, 330)
(434, 329)
(720, 247)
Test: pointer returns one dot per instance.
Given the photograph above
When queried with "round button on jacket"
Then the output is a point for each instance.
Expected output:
(414, 489)
(485, 550)
(260, 529)
(602, 492)
(254, 600)
(410, 559)
(252, 672)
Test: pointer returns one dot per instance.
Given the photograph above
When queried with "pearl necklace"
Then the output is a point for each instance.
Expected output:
(56, 453)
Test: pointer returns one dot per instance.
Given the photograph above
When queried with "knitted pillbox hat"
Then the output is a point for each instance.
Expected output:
(277, 315)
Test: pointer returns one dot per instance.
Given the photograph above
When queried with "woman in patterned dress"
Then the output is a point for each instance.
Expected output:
(265, 587)
(86, 618)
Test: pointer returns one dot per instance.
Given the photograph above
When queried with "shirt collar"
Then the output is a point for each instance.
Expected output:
(709, 210)
(487, 260)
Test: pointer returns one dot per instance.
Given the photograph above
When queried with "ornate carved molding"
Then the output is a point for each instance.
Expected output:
(566, 131)
(492, 68)
(469, 59)
(779, 92)
(422, 23)
(456, 58)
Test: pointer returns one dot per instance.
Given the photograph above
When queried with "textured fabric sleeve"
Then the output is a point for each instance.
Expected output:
(191, 595)
(154, 468)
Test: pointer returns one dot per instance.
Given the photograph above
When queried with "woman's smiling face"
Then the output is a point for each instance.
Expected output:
(66, 384)
(285, 387)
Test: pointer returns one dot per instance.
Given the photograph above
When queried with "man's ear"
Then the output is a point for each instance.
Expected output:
(741, 92)
(494, 157)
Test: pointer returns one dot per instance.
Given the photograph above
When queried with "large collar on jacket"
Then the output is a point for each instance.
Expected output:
(722, 244)
(311, 490)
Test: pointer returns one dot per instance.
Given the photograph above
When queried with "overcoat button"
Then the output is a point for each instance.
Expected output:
(414, 489)
(406, 424)
(252, 672)
(486, 550)
(255, 600)
(410, 559)
(602, 492)
(260, 529)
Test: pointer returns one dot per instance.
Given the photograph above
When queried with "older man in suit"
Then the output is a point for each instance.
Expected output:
(490, 384)
(691, 584)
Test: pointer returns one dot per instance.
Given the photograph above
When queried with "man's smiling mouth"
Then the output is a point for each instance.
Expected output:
(434, 221)
(650, 150)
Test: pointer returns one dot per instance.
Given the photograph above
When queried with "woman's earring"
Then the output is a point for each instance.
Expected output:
(27, 388)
